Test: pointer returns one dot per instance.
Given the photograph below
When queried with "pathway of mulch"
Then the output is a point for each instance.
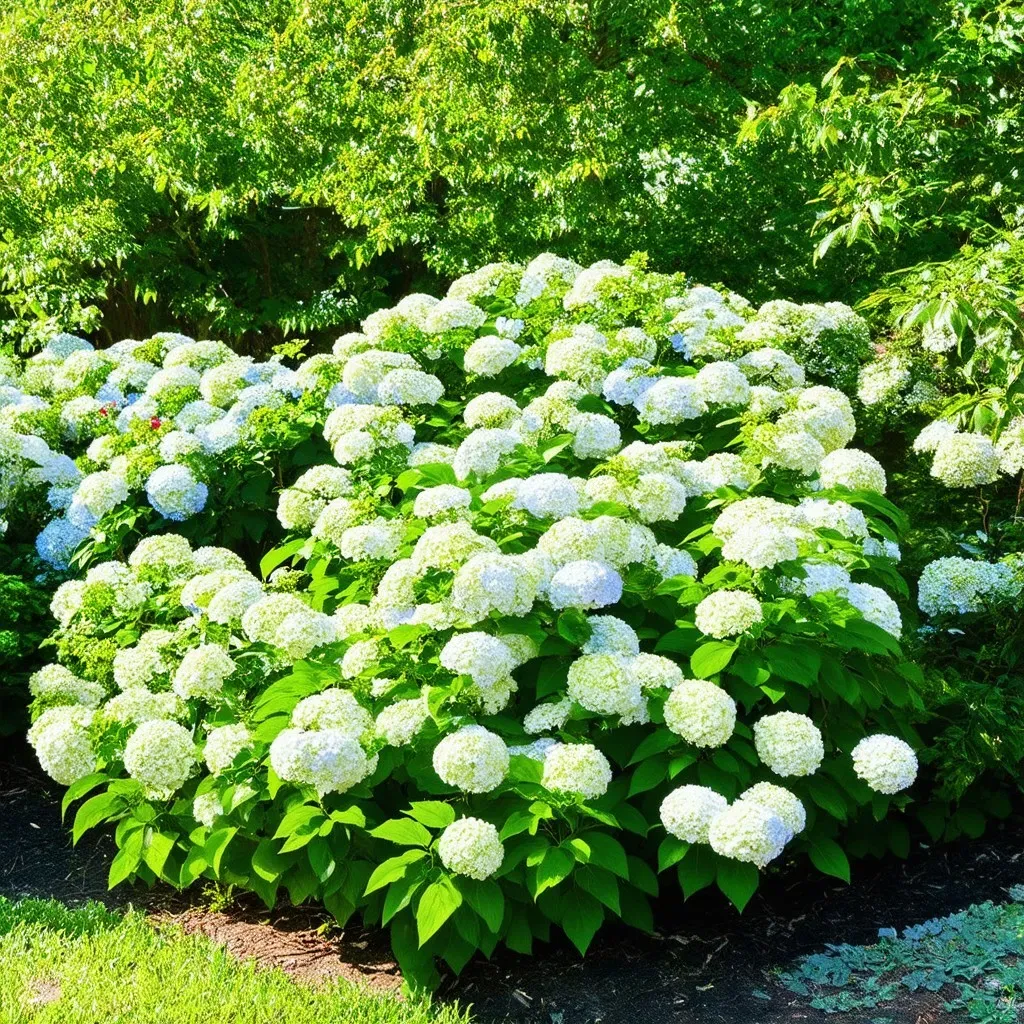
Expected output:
(705, 964)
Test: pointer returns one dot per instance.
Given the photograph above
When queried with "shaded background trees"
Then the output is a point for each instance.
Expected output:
(258, 170)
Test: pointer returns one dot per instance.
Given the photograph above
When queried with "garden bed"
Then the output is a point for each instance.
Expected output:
(705, 963)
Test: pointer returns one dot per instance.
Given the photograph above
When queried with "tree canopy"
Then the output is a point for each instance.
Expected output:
(254, 170)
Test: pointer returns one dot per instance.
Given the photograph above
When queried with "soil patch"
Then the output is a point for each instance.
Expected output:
(292, 939)
(705, 964)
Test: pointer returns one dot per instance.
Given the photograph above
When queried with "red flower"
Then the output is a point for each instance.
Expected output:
(102, 410)
(155, 423)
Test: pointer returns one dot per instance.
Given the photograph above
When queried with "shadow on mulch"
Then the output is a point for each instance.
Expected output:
(705, 964)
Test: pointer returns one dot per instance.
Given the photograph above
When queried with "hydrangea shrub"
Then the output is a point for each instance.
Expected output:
(592, 600)
(147, 434)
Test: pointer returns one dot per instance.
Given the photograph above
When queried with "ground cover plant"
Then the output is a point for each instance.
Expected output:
(590, 587)
(87, 963)
(972, 959)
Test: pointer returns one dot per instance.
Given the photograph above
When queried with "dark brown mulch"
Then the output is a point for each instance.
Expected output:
(704, 965)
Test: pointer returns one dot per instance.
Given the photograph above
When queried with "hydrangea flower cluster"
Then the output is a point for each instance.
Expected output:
(152, 421)
(955, 586)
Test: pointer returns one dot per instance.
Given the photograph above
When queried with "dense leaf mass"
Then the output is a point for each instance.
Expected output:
(242, 167)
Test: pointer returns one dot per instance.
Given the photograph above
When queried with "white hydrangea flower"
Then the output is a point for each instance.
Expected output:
(626, 383)
(605, 488)
(789, 744)
(654, 672)
(302, 632)
(207, 808)
(876, 606)
(138, 665)
(603, 684)
(579, 769)
(779, 801)
(352, 619)
(1010, 447)
(333, 708)
(723, 383)
(405, 386)
(223, 745)
(596, 436)
(821, 577)
(481, 452)
(547, 717)
(687, 812)
(772, 366)
(671, 562)
(491, 409)
(161, 755)
(328, 760)
(885, 763)
(97, 494)
(495, 583)
(136, 705)
(671, 400)
(426, 453)
(473, 759)
(610, 635)
(585, 584)
(232, 601)
(450, 314)
(548, 496)
(211, 559)
(578, 357)
(966, 460)
(57, 685)
(748, 832)
(376, 541)
(833, 515)
(727, 613)
(400, 723)
(960, 585)
(482, 657)
(471, 847)
(932, 435)
(261, 620)
(162, 557)
(364, 371)
(657, 497)
(795, 450)
(360, 658)
(445, 500)
(487, 357)
(701, 712)
(61, 740)
(938, 337)
(851, 468)
(202, 672)
(544, 272)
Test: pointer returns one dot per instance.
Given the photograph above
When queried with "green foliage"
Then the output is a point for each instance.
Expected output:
(242, 167)
(62, 965)
(24, 623)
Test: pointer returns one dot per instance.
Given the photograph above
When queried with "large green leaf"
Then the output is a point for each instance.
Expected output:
(828, 857)
(403, 831)
(711, 658)
(438, 902)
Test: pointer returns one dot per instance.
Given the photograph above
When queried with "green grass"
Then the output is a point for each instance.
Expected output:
(94, 966)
